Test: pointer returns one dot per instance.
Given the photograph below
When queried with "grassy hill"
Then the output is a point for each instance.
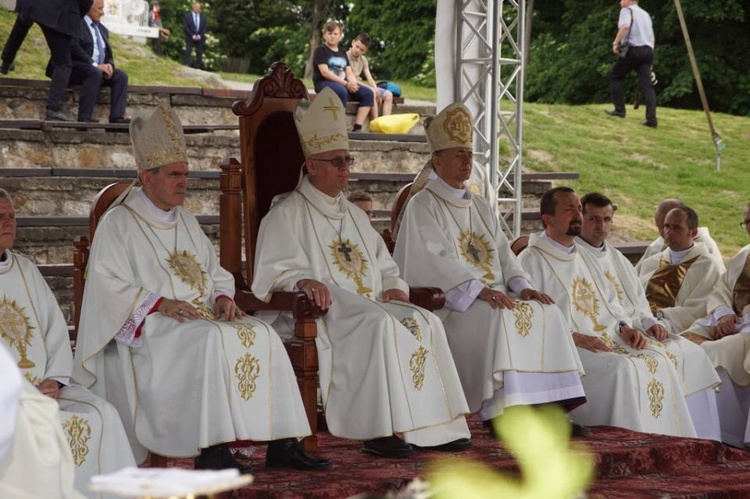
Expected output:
(636, 166)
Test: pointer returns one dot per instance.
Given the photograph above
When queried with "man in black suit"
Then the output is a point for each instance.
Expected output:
(94, 67)
(15, 39)
(195, 25)
(60, 21)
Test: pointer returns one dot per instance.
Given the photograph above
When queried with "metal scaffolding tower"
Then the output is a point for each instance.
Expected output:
(489, 80)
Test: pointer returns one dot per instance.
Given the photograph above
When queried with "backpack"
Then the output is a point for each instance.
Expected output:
(391, 87)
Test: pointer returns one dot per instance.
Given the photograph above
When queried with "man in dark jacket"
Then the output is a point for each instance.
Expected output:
(94, 67)
(60, 21)
(195, 25)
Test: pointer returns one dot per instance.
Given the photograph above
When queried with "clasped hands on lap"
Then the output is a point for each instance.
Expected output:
(319, 294)
(498, 299)
(107, 69)
(181, 310)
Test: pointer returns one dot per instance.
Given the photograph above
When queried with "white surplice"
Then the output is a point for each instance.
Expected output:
(693, 365)
(658, 245)
(34, 329)
(702, 274)
(384, 367)
(10, 397)
(40, 464)
(730, 354)
(179, 387)
(450, 242)
(635, 389)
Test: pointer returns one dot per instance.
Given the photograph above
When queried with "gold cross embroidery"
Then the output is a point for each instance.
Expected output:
(333, 108)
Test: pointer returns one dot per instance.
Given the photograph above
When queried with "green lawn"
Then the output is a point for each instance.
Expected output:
(634, 165)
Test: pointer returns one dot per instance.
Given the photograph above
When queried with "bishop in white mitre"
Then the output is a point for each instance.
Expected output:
(509, 349)
(695, 369)
(659, 244)
(678, 280)
(629, 381)
(161, 336)
(33, 328)
(724, 334)
(385, 365)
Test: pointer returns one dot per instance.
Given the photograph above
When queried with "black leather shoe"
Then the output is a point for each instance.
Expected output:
(459, 445)
(219, 457)
(650, 124)
(5, 68)
(387, 447)
(120, 120)
(578, 430)
(615, 112)
(57, 116)
(288, 453)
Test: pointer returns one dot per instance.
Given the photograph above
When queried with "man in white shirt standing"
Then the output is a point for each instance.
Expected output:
(634, 48)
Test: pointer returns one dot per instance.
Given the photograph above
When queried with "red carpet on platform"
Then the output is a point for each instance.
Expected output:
(629, 465)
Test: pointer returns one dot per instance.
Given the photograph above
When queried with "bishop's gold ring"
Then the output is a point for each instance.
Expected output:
(179, 311)
(494, 298)
(312, 289)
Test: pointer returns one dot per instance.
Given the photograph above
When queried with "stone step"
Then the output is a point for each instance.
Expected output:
(93, 148)
(26, 100)
(69, 191)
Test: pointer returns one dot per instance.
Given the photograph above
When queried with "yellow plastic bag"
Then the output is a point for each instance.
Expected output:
(394, 123)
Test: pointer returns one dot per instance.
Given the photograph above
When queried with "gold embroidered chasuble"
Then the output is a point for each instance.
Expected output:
(186, 385)
(665, 283)
(33, 328)
(384, 367)
(691, 362)
(636, 389)
(680, 291)
(445, 242)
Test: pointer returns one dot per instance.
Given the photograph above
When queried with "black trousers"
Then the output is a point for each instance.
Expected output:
(59, 47)
(15, 39)
(91, 80)
(198, 44)
(641, 60)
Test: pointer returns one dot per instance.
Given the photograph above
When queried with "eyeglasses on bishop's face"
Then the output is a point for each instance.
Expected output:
(339, 162)
(745, 224)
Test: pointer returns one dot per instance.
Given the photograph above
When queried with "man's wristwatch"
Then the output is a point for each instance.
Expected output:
(659, 314)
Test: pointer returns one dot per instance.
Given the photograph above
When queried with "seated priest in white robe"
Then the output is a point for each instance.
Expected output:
(696, 372)
(658, 245)
(630, 382)
(385, 365)
(678, 280)
(724, 334)
(161, 336)
(510, 344)
(36, 334)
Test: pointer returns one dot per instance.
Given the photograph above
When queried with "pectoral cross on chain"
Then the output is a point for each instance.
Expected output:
(473, 251)
(343, 248)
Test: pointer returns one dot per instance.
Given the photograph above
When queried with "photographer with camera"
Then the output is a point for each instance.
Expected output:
(634, 47)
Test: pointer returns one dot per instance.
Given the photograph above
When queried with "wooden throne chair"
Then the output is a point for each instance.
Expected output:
(271, 160)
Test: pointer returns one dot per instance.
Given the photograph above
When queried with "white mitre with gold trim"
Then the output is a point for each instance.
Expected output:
(321, 125)
(452, 127)
(157, 138)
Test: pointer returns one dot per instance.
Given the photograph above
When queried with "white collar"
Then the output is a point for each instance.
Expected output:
(168, 216)
(675, 257)
(568, 250)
